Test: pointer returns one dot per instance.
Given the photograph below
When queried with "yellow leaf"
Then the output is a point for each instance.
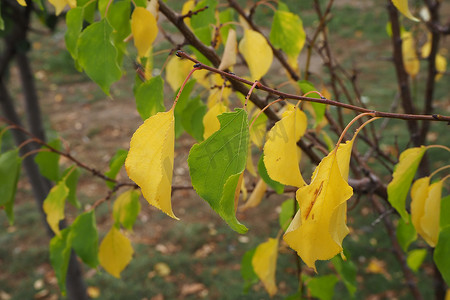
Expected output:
(402, 6)
(59, 5)
(144, 30)
(447, 295)
(210, 121)
(150, 159)
(426, 208)
(115, 252)
(54, 205)
(93, 292)
(317, 230)
(243, 189)
(187, 6)
(441, 66)
(410, 59)
(426, 48)
(264, 263)
(256, 52)
(280, 151)
(256, 196)
(22, 2)
(229, 53)
(250, 166)
(177, 70)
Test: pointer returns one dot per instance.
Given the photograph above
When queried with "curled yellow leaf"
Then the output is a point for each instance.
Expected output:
(402, 6)
(229, 53)
(281, 155)
(115, 252)
(210, 121)
(150, 159)
(257, 53)
(144, 30)
(264, 263)
(426, 208)
(317, 230)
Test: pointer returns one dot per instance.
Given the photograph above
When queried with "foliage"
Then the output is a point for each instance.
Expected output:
(230, 126)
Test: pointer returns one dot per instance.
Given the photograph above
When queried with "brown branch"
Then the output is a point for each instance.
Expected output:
(193, 12)
(277, 53)
(283, 95)
(402, 76)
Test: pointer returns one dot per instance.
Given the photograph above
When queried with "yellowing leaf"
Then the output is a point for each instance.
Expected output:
(410, 59)
(441, 66)
(402, 178)
(144, 30)
(402, 6)
(264, 263)
(317, 230)
(256, 52)
(115, 252)
(177, 70)
(150, 159)
(22, 2)
(229, 53)
(153, 7)
(187, 6)
(250, 166)
(126, 208)
(54, 205)
(426, 208)
(256, 196)
(59, 5)
(210, 121)
(426, 48)
(281, 156)
(258, 130)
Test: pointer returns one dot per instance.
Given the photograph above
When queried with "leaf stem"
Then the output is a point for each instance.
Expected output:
(439, 146)
(350, 124)
(183, 85)
(262, 110)
(438, 170)
(250, 93)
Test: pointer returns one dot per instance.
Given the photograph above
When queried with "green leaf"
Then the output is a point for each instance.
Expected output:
(440, 256)
(444, 219)
(216, 164)
(278, 187)
(10, 163)
(102, 4)
(347, 272)
(287, 33)
(74, 22)
(402, 178)
(322, 287)
(119, 17)
(71, 176)
(60, 249)
(89, 9)
(192, 118)
(201, 22)
(2, 23)
(415, 258)
(126, 208)
(406, 234)
(226, 16)
(319, 108)
(83, 237)
(98, 56)
(286, 214)
(48, 162)
(150, 97)
(115, 164)
(183, 100)
(247, 271)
